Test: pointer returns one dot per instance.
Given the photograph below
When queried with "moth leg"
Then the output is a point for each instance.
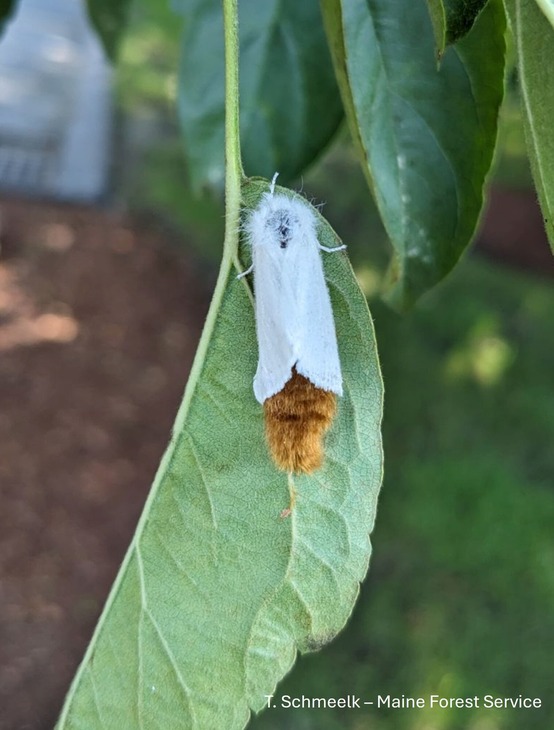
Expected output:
(249, 270)
(331, 250)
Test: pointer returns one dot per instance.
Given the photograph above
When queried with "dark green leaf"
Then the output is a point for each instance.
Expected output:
(217, 591)
(289, 102)
(427, 134)
(109, 17)
(460, 17)
(534, 40)
(452, 20)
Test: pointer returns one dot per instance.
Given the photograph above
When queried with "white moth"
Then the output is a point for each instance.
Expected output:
(294, 318)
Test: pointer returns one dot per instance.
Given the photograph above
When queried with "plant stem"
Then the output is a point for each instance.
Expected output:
(233, 163)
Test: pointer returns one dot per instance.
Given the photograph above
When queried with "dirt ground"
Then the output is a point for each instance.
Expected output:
(99, 320)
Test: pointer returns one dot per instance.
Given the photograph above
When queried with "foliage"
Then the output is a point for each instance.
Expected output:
(427, 135)
(425, 131)
(289, 101)
(217, 593)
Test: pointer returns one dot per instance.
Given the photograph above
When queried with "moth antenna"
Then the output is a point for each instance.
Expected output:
(272, 186)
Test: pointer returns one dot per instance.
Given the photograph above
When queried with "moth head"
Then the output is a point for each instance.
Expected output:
(280, 226)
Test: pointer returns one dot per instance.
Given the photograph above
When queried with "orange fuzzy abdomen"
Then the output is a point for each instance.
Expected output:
(296, 420)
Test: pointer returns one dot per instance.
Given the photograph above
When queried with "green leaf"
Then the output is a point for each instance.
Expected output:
(427, 134)
(7, 7)
(109, 17)
(460, 17)
(534, 41)
(217, 591)
(452, 20)
(289, 101)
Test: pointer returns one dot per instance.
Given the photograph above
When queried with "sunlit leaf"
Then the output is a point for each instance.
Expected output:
(218, 591)
(427, 134)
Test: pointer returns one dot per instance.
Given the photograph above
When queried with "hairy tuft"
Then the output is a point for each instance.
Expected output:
(296, 419)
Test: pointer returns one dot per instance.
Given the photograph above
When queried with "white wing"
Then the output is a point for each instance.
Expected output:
(317, 351)
(294, 318)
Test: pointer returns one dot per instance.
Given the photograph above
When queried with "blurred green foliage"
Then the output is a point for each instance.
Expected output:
(460, 595)
(152, 169)
(149, 57)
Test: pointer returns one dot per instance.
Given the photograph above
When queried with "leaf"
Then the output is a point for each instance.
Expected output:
(452, 20)
(217, 592)
(289, 102)
(460, 17)
(109, 17)
(534, 41)
(427, 134)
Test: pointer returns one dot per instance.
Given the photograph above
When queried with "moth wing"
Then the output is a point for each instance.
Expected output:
(294, 317)
(316, 350)
(276, 320)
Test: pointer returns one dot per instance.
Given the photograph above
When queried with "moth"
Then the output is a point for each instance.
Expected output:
(298, 377)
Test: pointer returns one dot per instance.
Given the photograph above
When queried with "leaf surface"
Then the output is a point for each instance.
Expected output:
(452, 20)
(427, 134)
(460, 17)
(217, 591)
(534, 41)
(289, 102)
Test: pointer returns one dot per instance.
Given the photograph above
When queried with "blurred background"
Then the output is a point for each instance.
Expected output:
(106, 270)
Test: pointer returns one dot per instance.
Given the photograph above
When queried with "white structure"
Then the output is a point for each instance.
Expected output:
(55, 103)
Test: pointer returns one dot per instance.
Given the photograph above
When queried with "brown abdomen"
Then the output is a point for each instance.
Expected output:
(296, 420)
